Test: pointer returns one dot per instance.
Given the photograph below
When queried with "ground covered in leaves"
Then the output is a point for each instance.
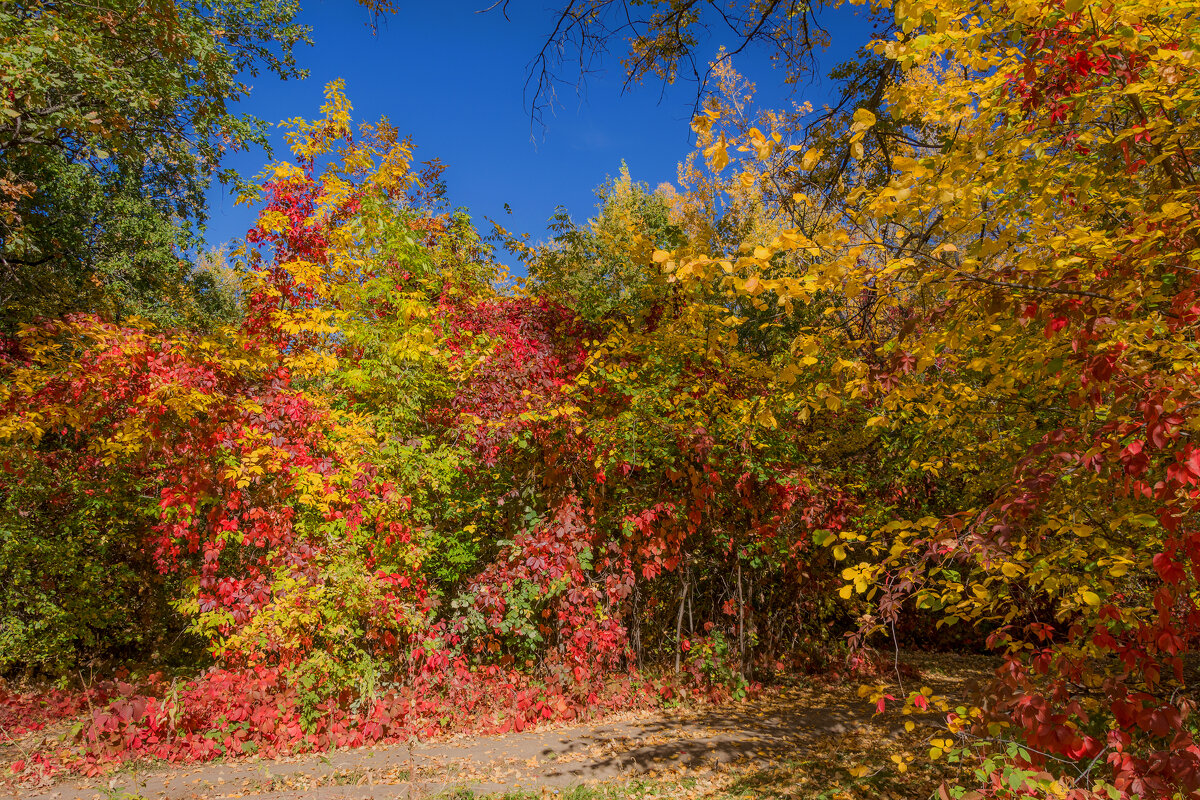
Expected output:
(802, 738)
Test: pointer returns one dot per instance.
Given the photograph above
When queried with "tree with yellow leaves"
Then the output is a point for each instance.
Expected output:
(1016, 315)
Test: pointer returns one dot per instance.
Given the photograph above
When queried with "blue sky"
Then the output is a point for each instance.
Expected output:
(453, 79)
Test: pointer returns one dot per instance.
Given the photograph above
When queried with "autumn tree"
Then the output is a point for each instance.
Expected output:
(1011, 311)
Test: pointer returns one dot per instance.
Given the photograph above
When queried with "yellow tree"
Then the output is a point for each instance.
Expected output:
(1022, 281)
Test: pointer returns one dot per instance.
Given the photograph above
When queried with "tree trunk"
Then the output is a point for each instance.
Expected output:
(679, 627)
(637, 624)
(741, 622)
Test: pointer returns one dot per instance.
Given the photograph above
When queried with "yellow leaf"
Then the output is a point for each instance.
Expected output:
(761, 144)
(716, 155)
(863, 120)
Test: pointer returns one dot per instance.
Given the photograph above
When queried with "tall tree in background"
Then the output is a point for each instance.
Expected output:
(113, 118)
(589, 267)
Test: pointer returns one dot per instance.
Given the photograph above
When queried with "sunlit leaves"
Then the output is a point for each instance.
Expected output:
(1007, 307)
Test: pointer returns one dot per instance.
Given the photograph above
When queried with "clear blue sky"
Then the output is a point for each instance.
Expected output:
(453, 79)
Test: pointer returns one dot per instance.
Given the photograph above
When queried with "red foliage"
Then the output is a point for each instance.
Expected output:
(257, 711)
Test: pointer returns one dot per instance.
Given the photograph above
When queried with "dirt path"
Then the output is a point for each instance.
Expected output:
(754, 734)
